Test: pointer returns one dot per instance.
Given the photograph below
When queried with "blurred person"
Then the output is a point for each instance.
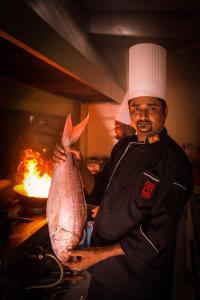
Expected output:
(123, 125)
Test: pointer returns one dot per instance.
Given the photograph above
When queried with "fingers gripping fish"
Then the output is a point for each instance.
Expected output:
(66, 207)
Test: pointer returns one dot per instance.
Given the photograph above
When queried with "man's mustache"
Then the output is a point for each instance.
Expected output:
(142, 123)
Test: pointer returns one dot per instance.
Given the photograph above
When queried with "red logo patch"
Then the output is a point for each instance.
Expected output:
(147, 190)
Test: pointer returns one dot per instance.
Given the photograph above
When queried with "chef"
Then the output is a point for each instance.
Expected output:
(142, 193)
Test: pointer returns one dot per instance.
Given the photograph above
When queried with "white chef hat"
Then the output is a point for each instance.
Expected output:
(147, 71)
(123, 114)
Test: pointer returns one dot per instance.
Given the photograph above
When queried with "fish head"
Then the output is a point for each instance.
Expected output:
(63, 241)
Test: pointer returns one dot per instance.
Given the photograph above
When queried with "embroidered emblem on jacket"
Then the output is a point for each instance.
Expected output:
(153, 139)
(147, 190)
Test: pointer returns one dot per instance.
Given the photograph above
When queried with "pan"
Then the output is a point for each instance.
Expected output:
(28, 201)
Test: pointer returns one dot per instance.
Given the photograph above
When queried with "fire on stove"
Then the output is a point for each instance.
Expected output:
(33, 180)
(33, 173)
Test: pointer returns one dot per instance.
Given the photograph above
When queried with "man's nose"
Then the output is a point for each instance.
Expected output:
(144, 114)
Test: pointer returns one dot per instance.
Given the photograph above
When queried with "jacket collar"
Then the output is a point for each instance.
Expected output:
(154, 138)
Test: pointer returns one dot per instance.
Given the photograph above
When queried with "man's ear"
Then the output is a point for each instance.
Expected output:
(165, 112)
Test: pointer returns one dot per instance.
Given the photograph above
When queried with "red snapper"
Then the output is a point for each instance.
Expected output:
(66, 207)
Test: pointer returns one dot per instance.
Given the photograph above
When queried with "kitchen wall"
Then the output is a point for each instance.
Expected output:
(184, 97)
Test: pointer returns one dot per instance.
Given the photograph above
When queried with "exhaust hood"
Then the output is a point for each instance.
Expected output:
(35, 54)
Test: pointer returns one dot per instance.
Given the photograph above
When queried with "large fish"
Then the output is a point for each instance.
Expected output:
(66, 207)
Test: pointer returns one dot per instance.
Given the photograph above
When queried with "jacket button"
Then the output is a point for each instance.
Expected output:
(109, 210)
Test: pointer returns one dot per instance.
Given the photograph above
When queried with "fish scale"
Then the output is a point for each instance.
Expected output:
(66, 207)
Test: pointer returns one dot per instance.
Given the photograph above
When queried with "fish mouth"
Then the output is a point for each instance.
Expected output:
(62, 254)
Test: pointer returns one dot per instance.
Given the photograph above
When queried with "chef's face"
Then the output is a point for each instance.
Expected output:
(147, 115)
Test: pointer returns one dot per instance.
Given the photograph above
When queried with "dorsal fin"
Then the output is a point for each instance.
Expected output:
(71, 134)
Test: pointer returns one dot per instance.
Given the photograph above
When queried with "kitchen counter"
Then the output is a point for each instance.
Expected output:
(22, 239)
(20, 231)
(20, 263)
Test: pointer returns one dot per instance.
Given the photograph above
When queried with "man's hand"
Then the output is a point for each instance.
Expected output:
(60, 155)
(90, 256)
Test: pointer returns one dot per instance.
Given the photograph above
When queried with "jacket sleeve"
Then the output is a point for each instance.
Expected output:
(155, 234)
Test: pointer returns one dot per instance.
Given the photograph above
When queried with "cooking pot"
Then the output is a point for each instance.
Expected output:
(29, 201)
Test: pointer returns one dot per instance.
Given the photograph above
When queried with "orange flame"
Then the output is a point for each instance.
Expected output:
(33, 171)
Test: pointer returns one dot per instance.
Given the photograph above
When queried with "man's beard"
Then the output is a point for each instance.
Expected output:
(144, 126)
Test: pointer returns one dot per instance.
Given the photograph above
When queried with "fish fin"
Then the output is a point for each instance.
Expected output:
(67, 133)
(71, 134)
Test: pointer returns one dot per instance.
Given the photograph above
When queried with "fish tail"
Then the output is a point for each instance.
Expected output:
(71, 134)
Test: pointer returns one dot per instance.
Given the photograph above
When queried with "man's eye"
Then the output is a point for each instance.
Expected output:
(152, 109)
(135, 109)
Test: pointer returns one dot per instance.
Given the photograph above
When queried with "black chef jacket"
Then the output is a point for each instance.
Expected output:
(142, 193)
